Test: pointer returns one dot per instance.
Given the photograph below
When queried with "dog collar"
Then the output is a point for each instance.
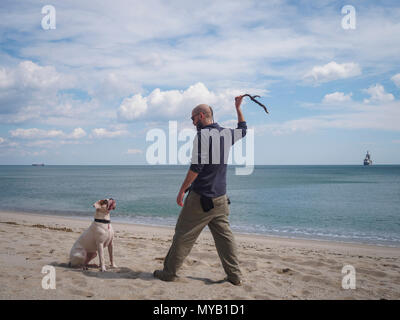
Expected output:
(102, 221)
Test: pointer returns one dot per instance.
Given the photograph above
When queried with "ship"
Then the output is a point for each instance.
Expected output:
(38, 164)
(367, 160)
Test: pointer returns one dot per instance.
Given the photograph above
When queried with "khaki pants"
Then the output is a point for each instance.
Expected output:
(191, 222)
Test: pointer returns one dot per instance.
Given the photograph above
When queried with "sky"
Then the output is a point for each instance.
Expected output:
(88, 90)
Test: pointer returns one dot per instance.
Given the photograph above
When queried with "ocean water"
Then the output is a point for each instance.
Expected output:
(339, 203)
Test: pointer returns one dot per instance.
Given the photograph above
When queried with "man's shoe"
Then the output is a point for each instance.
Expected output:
(162, 275)
(234, 281)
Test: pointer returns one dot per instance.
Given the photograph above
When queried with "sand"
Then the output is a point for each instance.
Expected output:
(273, 268)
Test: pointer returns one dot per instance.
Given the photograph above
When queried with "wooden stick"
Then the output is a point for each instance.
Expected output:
(253, 98)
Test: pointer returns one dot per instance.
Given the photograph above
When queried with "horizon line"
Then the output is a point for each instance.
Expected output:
(185, 165)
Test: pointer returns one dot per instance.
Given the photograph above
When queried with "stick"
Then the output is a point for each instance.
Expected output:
(253, 98)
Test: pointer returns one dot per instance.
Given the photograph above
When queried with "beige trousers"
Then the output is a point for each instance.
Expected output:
(191, 222)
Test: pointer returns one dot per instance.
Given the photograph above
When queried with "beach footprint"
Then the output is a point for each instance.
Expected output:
(81, 293)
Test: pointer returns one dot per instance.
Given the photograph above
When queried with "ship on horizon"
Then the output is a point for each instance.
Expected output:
(367, 160)
(38, 164)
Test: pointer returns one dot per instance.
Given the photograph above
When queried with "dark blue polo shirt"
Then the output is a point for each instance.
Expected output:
(211, 181)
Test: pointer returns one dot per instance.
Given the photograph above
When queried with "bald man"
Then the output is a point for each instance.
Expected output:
(207, 202)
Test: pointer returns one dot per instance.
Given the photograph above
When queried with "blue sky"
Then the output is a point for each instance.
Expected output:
(88, 91)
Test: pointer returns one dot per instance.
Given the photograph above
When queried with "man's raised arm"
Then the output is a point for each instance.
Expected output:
(238, 102)
(241, 122)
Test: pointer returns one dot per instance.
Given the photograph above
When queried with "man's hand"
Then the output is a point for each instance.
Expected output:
(238, 101)
(179, 198)
(190, 177)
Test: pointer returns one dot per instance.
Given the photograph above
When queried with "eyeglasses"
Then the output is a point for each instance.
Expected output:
(192, 117)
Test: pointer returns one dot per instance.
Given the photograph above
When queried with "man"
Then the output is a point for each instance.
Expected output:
(207, 203)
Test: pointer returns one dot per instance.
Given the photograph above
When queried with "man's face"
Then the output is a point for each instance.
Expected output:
(196, 118)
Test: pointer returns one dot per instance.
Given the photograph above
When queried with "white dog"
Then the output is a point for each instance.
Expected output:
(100, 234)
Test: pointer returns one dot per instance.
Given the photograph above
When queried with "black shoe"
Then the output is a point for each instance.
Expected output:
(234, 281)
(162, 275)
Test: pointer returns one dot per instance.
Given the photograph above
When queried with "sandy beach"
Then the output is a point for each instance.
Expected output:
(273, 268)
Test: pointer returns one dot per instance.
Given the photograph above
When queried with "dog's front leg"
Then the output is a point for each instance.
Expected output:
(100, 250)
(110, 253)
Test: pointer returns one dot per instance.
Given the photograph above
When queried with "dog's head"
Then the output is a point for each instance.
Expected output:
(105, 204)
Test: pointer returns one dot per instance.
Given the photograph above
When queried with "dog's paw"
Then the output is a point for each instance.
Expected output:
(93, 265)
(103, 269)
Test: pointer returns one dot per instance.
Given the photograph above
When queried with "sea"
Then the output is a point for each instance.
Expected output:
(334, 203)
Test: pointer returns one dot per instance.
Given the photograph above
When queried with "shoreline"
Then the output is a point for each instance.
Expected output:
(240, 235)
(272, 267)
(236, 232)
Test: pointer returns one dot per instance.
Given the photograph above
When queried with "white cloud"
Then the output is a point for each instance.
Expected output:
(104, 133)
(4, 144)
(29, 85)
(5, 80)
(378, 94)
(333, 71)
(210, 41)
(60, 110)
(50, 144)
(396, 79)
(41, 143)
(77, 133)
(134, 151)
(337, 97)
(175, 104)
(32, 75)
(35, 133)
(380, 116)
(28, 74)
(232, 123)
(132, 108)
(112, 85)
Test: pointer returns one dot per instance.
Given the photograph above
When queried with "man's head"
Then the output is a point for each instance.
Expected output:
(202, 115)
